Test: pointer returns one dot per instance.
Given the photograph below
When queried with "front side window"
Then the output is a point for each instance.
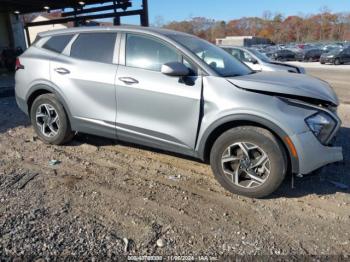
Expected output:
(247, 57)
(98, 47)
(237, 53)
(57, 43)
(148, 53)
(260, 55)
(219, 60)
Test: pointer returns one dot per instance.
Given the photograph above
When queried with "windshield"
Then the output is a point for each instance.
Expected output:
(219, 60)
(335, 51)
(260, 55)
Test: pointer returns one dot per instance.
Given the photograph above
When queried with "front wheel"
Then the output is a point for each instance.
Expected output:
(50, 120)
(337, 61)
(249, 161)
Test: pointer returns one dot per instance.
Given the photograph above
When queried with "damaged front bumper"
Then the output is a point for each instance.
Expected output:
(312, 154)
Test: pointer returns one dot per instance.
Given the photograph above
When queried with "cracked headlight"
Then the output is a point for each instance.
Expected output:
(322, 125)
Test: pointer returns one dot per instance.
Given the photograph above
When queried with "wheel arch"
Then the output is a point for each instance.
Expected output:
(41, 89)
(226, 123)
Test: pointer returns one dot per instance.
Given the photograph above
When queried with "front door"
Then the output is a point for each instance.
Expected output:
(152, 108)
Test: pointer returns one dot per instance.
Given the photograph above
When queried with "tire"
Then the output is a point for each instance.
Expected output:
(60, 131)
(267, 144)
(337, 61)
(322, 62)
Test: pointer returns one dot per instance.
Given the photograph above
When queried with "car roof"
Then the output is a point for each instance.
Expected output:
(130, 28)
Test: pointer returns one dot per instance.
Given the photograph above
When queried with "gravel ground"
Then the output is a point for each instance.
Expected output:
(102, 199)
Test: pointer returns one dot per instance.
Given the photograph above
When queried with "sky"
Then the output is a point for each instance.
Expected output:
(176, 10)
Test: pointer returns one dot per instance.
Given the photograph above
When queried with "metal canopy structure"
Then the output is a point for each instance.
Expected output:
(80, 12)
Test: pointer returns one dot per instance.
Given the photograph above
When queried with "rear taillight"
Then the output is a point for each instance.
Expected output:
(18, 64)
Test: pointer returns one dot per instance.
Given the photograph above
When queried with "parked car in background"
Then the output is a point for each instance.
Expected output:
(330, 47)
(176, 92)
(260, 62)
(336, 57)
(284, 55)
(310, 55)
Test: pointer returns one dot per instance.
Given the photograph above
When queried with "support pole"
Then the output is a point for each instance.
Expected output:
(144, 15)
(75, 17)
(27, 36)
(116, 20)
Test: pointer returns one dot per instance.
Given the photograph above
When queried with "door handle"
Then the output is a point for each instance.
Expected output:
(62, 71)
(128, 80)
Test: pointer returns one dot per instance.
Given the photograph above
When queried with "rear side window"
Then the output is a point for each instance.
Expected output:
(57, 43)
(148, 53)
(98, 47)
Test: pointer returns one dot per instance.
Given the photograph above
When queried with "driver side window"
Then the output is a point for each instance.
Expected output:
(247, 57)
(237, 54)
(148, 53)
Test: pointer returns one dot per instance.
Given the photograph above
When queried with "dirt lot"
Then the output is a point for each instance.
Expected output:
(106, 199)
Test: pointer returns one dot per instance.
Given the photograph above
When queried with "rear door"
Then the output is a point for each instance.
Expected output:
(85, 75)
(152, 108)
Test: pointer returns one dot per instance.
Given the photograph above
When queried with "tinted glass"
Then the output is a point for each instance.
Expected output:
(260, 55)
(148, 53)
(98, 47)
(191, 67)
(57, 43)
(237, 53)
(247, 57)
(219, 60)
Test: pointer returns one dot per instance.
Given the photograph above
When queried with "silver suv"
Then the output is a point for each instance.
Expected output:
(176, 92)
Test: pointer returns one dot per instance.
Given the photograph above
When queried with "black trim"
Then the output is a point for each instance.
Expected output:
(201, 112)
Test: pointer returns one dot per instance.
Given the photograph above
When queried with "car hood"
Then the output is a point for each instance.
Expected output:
(285, 67)
(297, 85)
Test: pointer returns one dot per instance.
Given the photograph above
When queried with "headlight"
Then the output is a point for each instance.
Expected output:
(322, 125)
(330, 56)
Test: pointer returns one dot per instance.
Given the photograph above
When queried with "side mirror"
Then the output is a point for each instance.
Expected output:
(254, 61)
(175, 69)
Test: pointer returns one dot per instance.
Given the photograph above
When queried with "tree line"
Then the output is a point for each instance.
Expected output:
(324, 26)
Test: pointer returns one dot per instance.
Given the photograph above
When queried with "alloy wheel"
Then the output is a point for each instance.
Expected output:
(47, 120)
(246, 165)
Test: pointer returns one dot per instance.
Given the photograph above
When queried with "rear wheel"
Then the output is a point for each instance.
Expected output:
(248, 161)
(50, 120)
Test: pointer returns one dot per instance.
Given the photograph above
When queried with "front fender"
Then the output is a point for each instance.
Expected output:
(239, 119)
